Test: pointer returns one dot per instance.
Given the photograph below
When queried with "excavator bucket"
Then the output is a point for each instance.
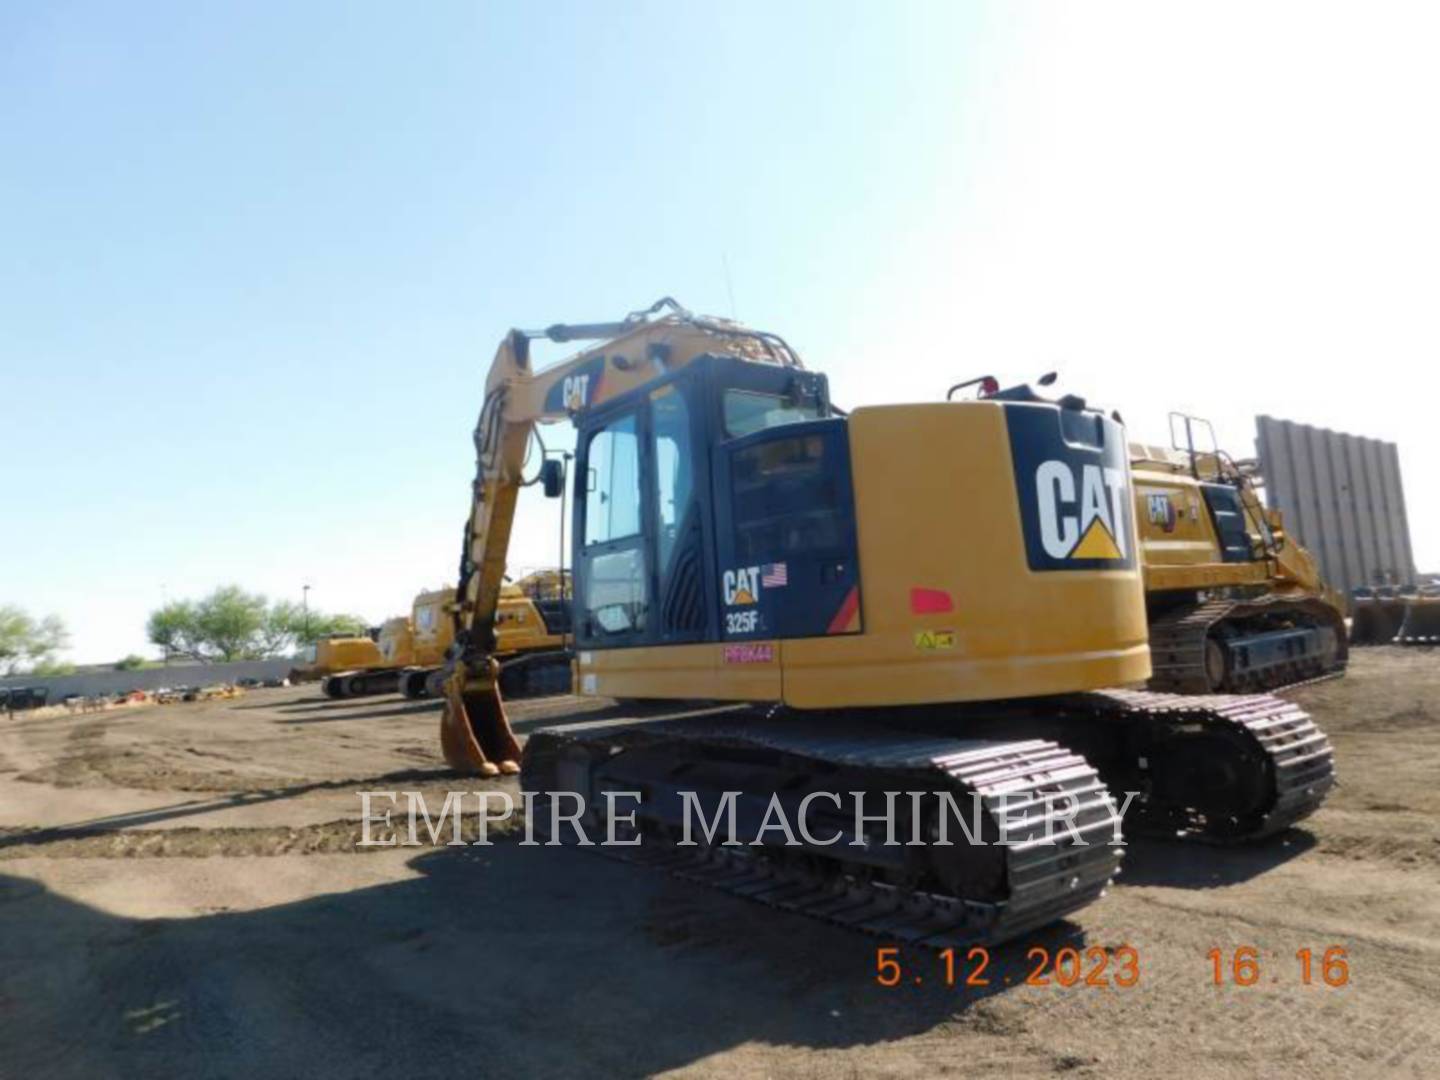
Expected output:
(475, 733)
(1392, 614)
(1363, 621)
(1376, 620)
(1422, 621)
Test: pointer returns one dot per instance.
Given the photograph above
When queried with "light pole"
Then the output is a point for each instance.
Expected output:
(165, 603)
(305, 603)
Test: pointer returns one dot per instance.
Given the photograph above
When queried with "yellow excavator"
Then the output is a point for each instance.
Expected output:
(1235, 603)
(532, 621)
(415, 645)
(340, 653)
(932, 600)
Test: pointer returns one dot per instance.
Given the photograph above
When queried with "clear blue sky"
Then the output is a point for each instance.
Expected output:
(256, 258)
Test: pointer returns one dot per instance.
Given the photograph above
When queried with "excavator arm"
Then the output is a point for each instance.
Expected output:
(647, 345)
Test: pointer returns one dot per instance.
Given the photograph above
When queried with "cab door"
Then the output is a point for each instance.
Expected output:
(678, 504)
(642, 521)
(612, 567)
(786, 534)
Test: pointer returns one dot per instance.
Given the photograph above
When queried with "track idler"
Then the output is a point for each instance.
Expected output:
(475, 732)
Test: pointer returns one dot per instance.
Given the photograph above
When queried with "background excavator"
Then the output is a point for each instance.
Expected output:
(532, 624)
(1235, 603)
(928, 598)
(340, 653)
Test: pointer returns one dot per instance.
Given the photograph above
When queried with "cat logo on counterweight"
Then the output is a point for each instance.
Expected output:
(1079, 509)
(1072, 484)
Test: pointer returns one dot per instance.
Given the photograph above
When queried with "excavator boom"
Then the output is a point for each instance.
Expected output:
(645, 346)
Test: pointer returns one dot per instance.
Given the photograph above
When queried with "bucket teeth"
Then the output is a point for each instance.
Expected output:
(475, 732)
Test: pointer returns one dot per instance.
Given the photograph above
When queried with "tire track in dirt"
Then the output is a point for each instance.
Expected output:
(340, 837)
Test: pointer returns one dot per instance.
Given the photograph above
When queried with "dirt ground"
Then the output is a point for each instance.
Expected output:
(181, 894)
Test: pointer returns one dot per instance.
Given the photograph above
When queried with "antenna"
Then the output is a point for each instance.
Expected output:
(729, 285)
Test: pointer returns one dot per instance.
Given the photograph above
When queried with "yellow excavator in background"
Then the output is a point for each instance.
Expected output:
(1235, 603)
(339, 653)
(928, 599)
(416, 644)
(532, 623)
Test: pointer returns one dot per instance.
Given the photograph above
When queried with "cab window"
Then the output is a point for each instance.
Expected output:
(615, 592)
(747, 411)
(612, 497)
(674, 487)
(615, 600)
(786, 499)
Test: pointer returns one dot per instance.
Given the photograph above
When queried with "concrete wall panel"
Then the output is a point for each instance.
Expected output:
(1342, 497)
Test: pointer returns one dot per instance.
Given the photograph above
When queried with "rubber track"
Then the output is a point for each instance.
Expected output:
(1177, 647)
(1300, 759)
(1048, 879)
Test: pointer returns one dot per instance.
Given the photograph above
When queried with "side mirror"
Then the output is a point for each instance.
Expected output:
(552, 478)
(1047, 378)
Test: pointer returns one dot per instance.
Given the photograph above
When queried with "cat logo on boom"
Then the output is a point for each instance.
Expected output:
(575, 392)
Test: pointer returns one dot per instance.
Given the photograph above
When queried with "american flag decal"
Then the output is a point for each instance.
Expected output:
(774, 575)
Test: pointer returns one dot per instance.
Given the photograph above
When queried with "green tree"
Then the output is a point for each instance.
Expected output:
(232, 624)
(133, 662)
(27, 642)
(176, 629)
(289, 625)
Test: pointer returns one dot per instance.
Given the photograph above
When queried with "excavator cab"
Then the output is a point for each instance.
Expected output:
(648, 530)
